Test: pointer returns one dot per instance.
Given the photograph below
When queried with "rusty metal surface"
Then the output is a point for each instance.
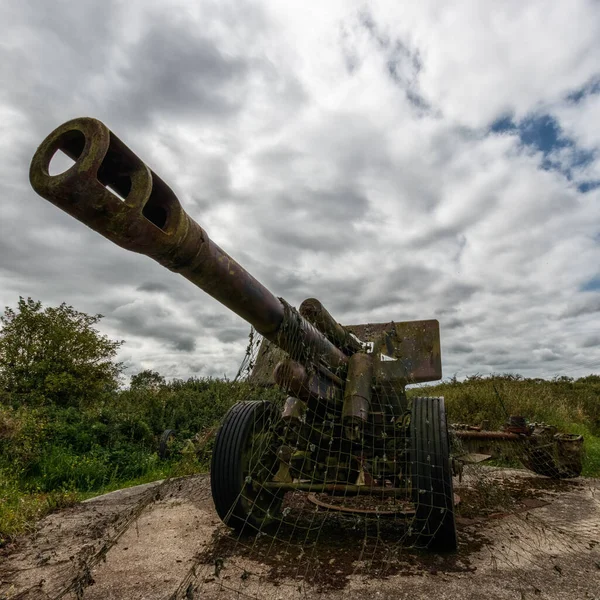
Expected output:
(358, 391)
(295, 378)
(406, 508)
(538, 446)
(294, 408)
(411, 350)
(150, 220)
(305, 343)
(337, 488)
(113, 192)
(417, 344)
(314, 312)
(556, 455)
(517, 424)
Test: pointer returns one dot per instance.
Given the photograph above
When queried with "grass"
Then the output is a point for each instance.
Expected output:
(19, 511)
(21, 508)
(591, 446)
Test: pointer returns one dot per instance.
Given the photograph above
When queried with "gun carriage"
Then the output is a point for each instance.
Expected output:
(346, 426)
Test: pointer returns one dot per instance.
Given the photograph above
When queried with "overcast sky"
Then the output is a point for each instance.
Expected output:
(398, 160)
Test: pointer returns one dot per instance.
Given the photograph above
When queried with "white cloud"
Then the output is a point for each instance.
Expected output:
(580, 120)
(481, 59)
(336, 151)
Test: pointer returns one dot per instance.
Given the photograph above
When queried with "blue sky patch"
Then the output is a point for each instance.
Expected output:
(503, 124)
(593, 87)
(543, 133)
(588, 186)
(593, 285)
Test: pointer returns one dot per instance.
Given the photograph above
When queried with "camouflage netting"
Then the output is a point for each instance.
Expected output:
(311, 497)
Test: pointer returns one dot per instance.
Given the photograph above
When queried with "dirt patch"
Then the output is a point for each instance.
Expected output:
(326, 548)
(520, 536)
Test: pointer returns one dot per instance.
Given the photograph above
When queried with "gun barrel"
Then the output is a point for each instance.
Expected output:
(314, 312)
(112, 191)
(147, 218)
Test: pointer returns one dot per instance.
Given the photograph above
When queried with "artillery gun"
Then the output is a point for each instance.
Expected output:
(346, 427)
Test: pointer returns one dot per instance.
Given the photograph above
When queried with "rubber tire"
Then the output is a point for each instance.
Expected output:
(432, 489)
(226, 470)
(163, 448)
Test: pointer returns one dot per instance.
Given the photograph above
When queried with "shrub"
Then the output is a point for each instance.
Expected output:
(54, 356)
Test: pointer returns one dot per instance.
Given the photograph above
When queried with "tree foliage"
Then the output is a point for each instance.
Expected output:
(54, 355)
(147, 380)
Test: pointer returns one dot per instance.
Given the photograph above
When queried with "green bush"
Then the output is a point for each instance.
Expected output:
(52, 447)
(55, 356)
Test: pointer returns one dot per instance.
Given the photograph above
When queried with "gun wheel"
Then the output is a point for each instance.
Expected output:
(432, 491)
(165, 444)
(244, 457)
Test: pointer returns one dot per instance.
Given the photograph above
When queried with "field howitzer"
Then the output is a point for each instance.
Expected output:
(346, 426)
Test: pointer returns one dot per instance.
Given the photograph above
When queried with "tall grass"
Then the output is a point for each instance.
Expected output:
(19, 510)
(571, 405)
